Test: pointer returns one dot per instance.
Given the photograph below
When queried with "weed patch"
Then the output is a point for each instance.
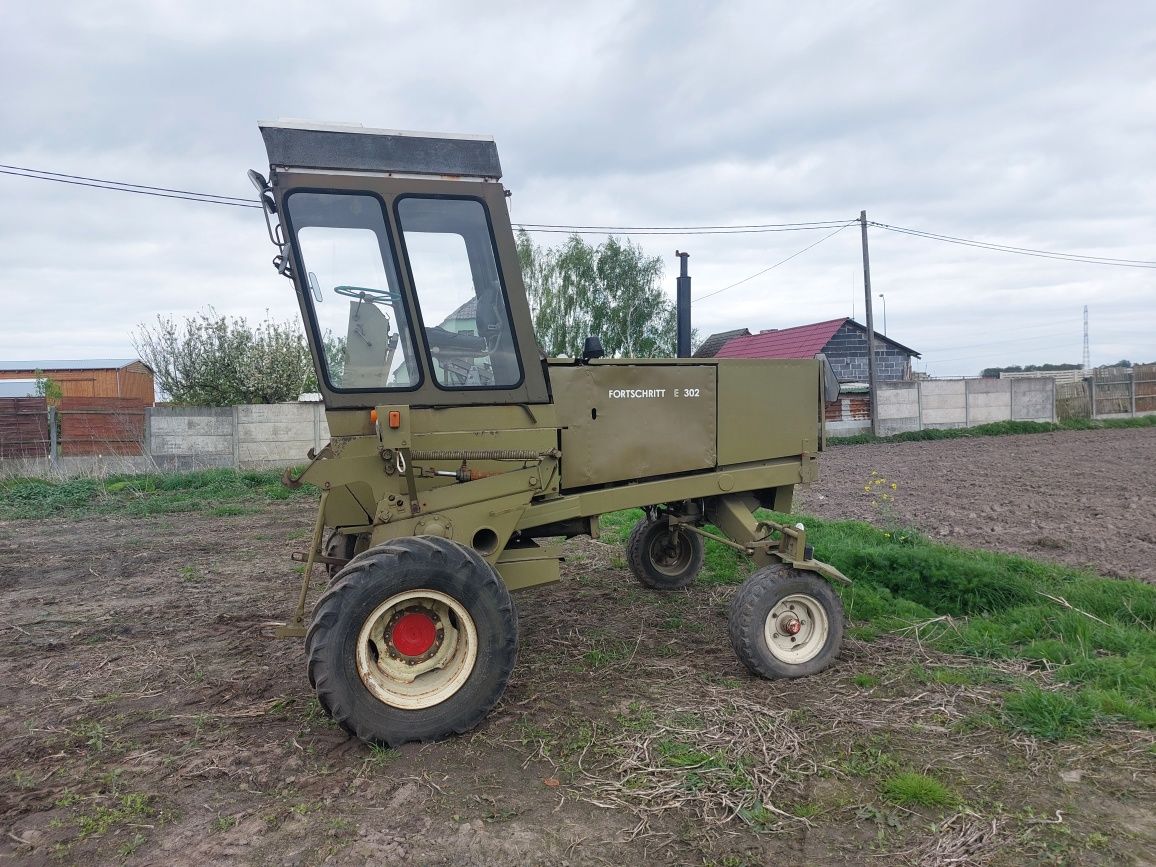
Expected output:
(1049, 715)
(218, 491)
(909, 789)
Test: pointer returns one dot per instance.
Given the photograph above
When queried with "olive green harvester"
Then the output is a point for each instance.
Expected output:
(459, 455)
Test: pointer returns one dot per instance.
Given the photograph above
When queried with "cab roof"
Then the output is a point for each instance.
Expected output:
(294, 144)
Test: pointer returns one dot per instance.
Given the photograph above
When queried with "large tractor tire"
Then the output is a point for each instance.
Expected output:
(786, 623)
(414, 641)
(664, 557)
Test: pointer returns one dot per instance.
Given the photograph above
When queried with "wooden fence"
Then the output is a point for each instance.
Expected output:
(101, 426)
(24, 429)
(1109, 391)
(1072, 400)
(1144, 379)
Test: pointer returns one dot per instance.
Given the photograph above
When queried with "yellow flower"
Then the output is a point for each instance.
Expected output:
(894, 486)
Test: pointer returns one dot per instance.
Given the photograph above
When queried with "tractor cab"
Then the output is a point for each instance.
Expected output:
(400, 249)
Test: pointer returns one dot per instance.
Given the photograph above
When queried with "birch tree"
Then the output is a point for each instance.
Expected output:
(612, 291)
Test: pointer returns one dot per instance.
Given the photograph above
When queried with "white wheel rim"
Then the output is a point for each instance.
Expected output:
(796, 628)
(408, 680)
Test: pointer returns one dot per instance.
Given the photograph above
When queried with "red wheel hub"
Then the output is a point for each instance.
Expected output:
(414, 633)
(790, 625)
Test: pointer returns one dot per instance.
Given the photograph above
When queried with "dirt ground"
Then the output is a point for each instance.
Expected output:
(1084, 498)
(151, 719)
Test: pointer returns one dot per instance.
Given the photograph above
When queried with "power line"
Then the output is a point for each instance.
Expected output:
(1021, 251)
(548, 228)
(804, 224)
(561, 228)
(247, 201)
(673, 231)
(745, 229)
(196, 197)
(776, 265)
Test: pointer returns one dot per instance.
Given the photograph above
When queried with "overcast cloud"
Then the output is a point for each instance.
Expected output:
(1026, 123)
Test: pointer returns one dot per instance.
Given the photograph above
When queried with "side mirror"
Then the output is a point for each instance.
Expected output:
(830, 380)
(591, 349)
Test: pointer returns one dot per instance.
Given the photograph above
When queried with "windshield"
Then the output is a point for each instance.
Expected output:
(351, 275)
(463, 302)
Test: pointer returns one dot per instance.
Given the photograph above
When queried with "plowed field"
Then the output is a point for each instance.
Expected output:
(1084, 498)
(150, 718)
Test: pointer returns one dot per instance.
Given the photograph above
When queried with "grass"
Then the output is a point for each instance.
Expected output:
(1000, 428)
(1103, 647)
(721, 567)
(218, 491)
(909, 789)
(127, 809)
(1048, 715)
(987, 605)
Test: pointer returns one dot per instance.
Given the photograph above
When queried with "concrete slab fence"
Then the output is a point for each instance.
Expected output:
(949, 403)
(280, 435)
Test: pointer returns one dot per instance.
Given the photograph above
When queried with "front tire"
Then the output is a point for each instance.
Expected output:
(414, 641)
(664, 557)
(786, 623)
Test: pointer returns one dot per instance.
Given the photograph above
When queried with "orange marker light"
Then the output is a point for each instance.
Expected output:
(373, 416)
(394, 419)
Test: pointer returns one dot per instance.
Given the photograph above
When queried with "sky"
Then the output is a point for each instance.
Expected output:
(1026, 124)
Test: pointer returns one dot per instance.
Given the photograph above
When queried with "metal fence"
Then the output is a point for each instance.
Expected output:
(33, 427)
(101, 426)
(25, 430)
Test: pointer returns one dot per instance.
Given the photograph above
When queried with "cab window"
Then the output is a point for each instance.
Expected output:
(352, 287)
(454, 271)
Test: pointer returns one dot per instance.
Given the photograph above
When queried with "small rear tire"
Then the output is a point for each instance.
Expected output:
(339, 545)
(786, 623)
(414, 641)
(664, 557)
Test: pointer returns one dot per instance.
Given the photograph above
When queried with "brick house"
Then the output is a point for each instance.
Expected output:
(843, 341)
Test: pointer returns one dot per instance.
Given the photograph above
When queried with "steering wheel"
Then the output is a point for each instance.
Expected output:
(376, 296)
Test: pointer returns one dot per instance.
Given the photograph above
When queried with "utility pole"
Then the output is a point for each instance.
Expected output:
(870, 328)
(1087, 352)
(683, 306)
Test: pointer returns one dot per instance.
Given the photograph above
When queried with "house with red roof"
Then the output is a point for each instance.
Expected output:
(843, 341)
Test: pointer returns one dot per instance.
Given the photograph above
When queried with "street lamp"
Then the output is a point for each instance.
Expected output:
(884, 297)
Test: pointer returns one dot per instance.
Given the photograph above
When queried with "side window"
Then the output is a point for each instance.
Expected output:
(353, 291)
(463, 303)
